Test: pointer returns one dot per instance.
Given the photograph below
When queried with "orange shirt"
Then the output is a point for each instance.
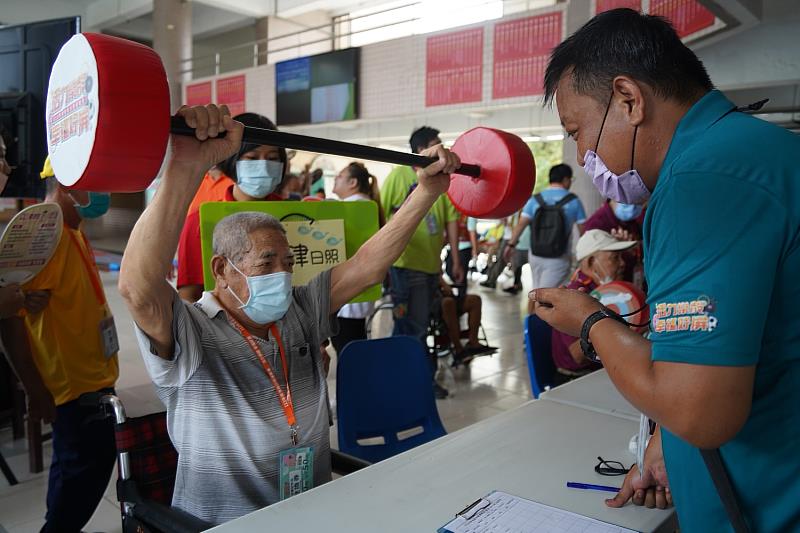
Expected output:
(211, 190)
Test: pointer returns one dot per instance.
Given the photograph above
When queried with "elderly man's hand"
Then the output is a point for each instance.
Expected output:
(204, 150)
(564, 309)
(435, 177)
(11, 300)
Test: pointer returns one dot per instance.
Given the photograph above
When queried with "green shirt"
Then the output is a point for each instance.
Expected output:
(722, 256)
(423, 252)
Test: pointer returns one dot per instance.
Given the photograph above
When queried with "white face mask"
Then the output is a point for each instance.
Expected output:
(270, 296)
(605, 278)
(258, 177)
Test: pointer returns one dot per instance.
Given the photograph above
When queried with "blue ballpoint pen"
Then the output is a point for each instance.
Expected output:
(590, 486)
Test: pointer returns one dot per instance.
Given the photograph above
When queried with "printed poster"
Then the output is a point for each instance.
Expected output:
(231, 92)
(521, 50)
(454, 68)
(317, 247)
(607, 5)
(199, 93)
(688, 16)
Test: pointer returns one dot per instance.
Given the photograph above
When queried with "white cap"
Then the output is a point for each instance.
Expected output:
(597, 240)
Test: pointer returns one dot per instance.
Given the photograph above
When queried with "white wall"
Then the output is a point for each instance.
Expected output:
(766, 54)
(392, 102)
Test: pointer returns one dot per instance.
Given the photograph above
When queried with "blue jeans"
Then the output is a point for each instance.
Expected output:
(413, 293)
(84, 454)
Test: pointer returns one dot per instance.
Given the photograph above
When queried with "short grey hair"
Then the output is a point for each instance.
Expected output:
(231, 236)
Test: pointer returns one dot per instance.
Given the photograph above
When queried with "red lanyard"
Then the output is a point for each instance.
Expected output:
(91, 270)
(285, 398)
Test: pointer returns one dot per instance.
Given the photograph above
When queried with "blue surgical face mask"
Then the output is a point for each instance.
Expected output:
(258, 177)
(270, 296)
(97, 206)
(626, 212)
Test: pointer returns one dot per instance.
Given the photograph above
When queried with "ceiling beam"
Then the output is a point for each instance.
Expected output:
(106, 13)
(248, 8)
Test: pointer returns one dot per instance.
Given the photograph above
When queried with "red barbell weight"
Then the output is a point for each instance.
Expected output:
(108, 125)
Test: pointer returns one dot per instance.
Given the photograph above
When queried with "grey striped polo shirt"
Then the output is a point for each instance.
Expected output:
(223, 413)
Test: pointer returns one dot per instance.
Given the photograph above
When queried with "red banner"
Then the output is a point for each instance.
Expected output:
(607, 5)
(521, 50)
(454, 68)
(688, 16)
(199, 93)
(230, 91)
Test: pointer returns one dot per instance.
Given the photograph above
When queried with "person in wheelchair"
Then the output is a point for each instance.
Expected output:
(600, 261)
(453, 306)
(239, 370)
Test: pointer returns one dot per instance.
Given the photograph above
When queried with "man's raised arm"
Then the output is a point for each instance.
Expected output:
(370, 264)
(152, 244)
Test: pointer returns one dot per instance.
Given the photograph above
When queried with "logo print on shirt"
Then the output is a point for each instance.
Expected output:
(690, 315)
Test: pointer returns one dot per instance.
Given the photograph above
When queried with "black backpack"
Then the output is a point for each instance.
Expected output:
(549, 231)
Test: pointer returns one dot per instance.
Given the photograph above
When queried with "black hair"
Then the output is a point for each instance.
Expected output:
(256, 121)
(367, 185)
(560, 172)
(625, 42)
(422, 137)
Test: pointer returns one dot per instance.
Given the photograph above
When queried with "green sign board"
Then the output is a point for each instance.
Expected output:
(360, 223)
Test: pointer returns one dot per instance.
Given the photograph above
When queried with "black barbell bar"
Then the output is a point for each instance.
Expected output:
(328, 146)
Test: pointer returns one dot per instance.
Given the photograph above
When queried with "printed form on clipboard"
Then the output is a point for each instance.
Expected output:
(500, 512)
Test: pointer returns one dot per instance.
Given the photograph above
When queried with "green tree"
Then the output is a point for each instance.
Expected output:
(546, 154)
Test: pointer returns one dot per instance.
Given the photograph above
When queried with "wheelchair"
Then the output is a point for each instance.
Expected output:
(147, 464)
(439, 344)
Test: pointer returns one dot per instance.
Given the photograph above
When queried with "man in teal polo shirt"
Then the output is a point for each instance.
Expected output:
(721, 368)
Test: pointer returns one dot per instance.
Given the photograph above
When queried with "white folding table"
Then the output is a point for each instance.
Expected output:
(530, 451)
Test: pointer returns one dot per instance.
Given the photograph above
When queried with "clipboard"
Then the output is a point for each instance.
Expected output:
(513, 514)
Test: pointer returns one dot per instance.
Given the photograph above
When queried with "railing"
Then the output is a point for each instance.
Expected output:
(260, 48)
(338, 32)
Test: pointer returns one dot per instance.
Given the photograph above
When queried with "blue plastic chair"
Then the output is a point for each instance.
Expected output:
(538, 346)
(383, 387)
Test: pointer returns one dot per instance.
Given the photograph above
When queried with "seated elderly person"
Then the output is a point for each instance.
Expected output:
(452, 307)
(239, 370)
(600, 261)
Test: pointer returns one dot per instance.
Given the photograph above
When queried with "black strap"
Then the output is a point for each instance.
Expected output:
(539, 200)
(722, 482)
(755, 106)
(567, 199)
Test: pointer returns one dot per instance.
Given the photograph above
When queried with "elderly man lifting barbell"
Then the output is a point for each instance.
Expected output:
(221, 365)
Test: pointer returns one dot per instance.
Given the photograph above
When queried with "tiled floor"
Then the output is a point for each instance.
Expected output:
(489, 386)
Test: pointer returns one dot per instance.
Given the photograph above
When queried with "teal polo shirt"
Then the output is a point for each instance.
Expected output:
(722, 256)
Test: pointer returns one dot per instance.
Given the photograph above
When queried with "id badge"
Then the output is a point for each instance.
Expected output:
(433, 226)
(108, 337)
(296, 471)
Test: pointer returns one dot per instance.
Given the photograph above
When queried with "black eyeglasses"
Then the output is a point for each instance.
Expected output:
(610, 468)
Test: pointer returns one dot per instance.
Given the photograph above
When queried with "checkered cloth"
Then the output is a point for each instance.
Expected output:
(153, 460)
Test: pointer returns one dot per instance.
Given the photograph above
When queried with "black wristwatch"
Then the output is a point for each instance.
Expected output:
(586, 345)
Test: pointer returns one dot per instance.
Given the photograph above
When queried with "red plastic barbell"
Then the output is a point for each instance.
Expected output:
(108, 124)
